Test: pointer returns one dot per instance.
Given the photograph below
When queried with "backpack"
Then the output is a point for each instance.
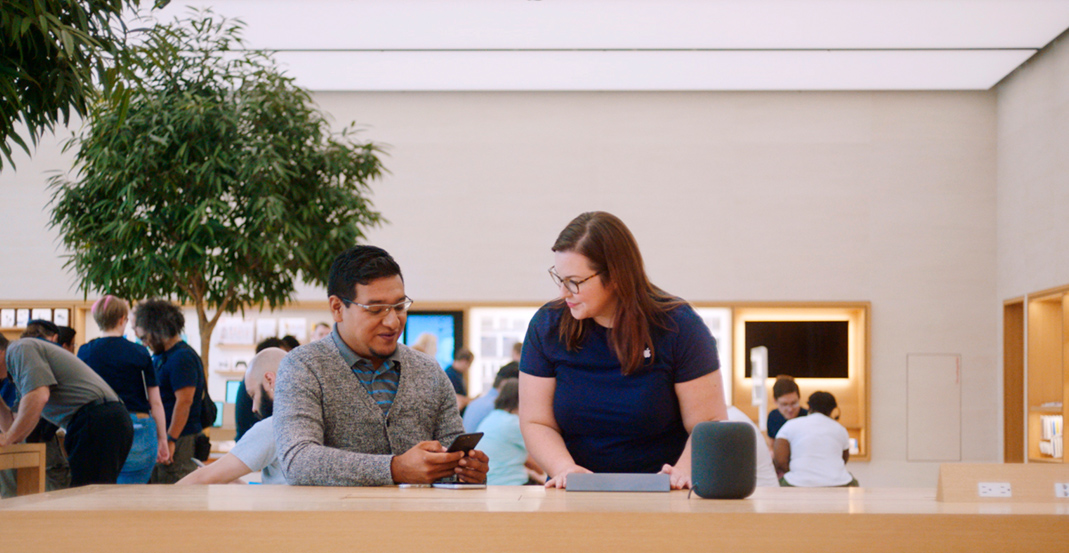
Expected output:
(208, 409)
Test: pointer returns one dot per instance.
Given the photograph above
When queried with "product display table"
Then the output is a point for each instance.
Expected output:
(522, 518)
(29, 462)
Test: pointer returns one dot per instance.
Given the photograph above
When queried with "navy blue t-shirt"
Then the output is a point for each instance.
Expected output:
(177, 368)
(456, 380)
(776, 420)
(611, 422)
(125, 366)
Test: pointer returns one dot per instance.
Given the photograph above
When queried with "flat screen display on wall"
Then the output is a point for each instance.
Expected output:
(446, 326)
(802, 349)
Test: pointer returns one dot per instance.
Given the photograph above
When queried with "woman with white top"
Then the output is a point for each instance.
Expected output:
(812, 451)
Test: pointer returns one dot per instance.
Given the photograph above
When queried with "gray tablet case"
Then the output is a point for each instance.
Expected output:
(607, 482)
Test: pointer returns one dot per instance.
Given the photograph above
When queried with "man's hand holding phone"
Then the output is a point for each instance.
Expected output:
(473, 467)
(424, 463)
(429, 461)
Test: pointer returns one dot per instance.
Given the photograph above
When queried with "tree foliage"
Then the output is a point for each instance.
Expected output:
(217, 183)
(53, 56)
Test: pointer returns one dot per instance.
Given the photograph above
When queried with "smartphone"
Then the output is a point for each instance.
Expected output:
(459, 486)
(465, 442)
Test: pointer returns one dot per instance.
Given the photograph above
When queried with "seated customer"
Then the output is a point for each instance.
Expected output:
(785, 392)
(502, 440)
(484, 404)
(812, 451)
(243, 415)
(359, 409)
(256, 450)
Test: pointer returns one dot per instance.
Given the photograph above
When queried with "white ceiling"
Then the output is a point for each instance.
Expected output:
(417, 45)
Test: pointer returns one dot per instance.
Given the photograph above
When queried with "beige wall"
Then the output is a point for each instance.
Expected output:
(1033, 175)
(885, 197)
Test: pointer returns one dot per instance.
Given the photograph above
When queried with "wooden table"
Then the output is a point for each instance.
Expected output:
(283, 518)
(29, 462)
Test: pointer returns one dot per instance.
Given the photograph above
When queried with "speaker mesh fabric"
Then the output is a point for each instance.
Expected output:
(723, 460)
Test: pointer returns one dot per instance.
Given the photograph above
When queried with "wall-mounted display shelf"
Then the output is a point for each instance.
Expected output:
(1047, 361)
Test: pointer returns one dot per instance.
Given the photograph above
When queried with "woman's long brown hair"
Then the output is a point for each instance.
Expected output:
(604, 239)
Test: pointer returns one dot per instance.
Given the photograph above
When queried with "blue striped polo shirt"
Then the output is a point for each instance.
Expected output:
(380, 384)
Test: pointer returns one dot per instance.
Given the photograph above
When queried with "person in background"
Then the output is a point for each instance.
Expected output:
(244, 418)
(427, 343)
(65, 337)
(787, 396)
(255, 451)
(812, 451)
(615, 373)
(456, 373)
(180, 374)
(127, 368)
(481, 406)
(57, 468)
(321, 330)
(359, 409)
(290, 342)
(502, 440)
(54, 384)
(40, 328)
(766, 471)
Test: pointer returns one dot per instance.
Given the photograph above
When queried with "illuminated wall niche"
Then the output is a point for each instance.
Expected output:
(851, 392)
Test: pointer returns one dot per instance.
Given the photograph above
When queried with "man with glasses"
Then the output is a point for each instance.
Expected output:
(359, 409)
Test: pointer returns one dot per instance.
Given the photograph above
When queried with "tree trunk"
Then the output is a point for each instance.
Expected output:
(207, 326)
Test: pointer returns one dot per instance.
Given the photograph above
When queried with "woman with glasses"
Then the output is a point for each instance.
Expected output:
(616, 372)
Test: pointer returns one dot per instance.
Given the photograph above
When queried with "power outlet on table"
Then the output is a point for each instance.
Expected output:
(994, 489)
(1061, 489)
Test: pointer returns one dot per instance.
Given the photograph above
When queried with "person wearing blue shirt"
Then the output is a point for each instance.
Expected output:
(481, 406)
(615, 373)
(787, 396)
(127, 368)
(180, 374)
(502, 440)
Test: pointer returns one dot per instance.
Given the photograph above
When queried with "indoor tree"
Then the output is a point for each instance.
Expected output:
(56, 56)
(217, 182)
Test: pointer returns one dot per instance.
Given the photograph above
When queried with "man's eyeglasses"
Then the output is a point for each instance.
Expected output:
(381, 309)
(571, 285)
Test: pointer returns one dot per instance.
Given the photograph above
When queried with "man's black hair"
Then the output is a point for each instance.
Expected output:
(40, 328)
(510, 370)
(160, 318)
(822, 402)
(65, 336)
(359, 265)
(271, 342)
(508, 399)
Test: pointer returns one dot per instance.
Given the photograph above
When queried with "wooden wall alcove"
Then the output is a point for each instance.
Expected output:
(852, 393)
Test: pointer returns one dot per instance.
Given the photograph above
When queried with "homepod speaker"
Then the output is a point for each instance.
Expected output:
(723, 460)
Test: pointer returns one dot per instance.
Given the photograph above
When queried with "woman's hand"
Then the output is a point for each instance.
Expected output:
(163, 452)
(560, 480)
(679, 476)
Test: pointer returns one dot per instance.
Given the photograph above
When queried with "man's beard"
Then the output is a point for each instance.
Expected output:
(267, 404)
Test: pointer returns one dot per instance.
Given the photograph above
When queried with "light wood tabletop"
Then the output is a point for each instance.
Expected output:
(527, 518)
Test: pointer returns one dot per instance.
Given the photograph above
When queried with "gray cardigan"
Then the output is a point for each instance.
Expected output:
(330, 433)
